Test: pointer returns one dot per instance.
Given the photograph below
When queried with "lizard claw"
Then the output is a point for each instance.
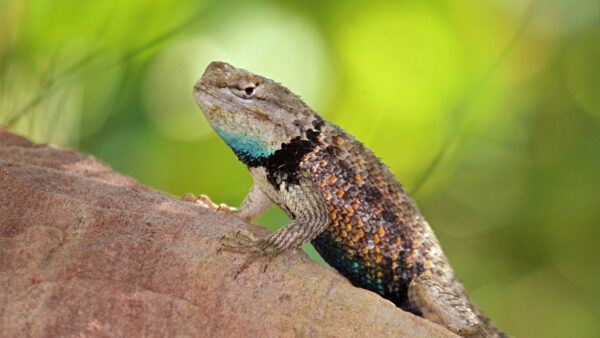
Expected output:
(189, 198)
(247, 243)
(256, 255)
(244, 240)
(204, 201)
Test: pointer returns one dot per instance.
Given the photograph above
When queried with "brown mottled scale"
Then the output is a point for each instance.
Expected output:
(373, 220)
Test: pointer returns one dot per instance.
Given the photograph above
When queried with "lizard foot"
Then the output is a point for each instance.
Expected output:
(245, 242)
(204, 201)
(241, 237)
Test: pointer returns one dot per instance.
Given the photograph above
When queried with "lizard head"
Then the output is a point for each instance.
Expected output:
(255, 116)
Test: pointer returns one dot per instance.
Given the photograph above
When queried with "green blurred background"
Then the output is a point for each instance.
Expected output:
(487, 111)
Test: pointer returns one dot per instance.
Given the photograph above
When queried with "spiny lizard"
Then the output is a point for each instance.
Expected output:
(337, 194)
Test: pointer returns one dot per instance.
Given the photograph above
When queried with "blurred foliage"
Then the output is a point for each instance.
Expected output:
(501, 96)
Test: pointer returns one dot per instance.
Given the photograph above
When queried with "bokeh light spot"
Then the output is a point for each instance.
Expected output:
(408, 57)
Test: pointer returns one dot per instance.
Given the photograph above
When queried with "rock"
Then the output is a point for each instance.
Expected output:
(85, 251)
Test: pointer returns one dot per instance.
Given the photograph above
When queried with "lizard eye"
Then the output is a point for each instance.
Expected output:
(246, 91)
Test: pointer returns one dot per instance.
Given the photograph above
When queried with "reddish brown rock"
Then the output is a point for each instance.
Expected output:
(85, 251)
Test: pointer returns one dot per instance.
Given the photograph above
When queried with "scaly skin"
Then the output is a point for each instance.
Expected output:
(337, 194)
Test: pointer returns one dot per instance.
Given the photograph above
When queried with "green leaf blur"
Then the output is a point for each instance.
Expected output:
(489, 111)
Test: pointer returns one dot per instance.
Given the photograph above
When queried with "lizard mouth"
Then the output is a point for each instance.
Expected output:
(202, 94)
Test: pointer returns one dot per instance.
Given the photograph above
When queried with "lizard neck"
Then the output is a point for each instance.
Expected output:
(247, 149)
(282, 166)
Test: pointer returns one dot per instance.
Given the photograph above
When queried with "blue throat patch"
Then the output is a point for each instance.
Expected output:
(246, 148)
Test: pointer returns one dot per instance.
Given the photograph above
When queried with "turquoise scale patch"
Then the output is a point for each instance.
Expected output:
(246, 148)
(348, 265)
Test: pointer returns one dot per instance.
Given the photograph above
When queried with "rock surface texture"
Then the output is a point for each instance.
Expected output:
(85, 251)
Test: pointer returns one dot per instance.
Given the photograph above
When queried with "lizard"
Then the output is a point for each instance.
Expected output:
(338, 195)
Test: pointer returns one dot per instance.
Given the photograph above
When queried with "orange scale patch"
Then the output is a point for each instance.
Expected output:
(332, 179)
(359, 180)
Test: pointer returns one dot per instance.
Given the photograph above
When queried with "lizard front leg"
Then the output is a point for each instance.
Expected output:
(307, 208)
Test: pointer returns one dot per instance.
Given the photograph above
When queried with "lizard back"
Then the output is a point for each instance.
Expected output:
(377, 237)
